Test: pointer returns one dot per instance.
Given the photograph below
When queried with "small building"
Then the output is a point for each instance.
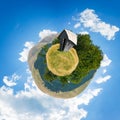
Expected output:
(67, 40)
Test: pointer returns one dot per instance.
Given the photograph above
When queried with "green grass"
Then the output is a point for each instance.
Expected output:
(61, 63)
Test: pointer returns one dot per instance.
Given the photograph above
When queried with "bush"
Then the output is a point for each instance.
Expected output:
(89, 56)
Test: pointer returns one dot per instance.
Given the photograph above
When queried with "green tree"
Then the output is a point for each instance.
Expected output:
(49, 75)
(89, 56)
(55, 41)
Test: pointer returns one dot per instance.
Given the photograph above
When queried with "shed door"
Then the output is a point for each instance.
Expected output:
(63, 43)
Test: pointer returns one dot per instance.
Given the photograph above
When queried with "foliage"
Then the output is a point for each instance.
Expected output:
(43, 52)
(49, 75)
(89, 56)
(55, 41)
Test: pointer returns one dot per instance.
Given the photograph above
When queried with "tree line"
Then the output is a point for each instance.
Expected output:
(89, 56)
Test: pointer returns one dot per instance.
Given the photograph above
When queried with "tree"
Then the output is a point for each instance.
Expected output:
(49, 75)
(89, 56)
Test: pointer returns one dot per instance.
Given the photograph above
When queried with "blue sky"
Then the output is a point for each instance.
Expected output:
(24, 23)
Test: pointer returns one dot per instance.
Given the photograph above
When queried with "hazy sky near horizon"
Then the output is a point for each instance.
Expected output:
(23, 24)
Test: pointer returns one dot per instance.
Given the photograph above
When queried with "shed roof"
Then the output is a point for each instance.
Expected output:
(71, 36)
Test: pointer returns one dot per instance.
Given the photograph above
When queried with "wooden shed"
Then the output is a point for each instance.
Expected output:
(67, 40)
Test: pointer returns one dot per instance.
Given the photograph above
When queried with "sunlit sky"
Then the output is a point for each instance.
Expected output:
(23, 24)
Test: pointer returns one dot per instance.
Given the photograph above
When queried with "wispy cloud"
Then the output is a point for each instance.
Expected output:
(103, 79)
(11, 80)
(84, 32)
(4, 90)
(104, 71)
(24, 54)
(46, 32)
(89, 19)
(106, 61)
(77, 25)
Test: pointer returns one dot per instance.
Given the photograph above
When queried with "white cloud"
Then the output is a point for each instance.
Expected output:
(83, 113)
(85, 98)
(104, 71)
(83, 33)
(103, 79)
(106, 61)
(37, 106)
(7, 112)
(77, 25)
(46, 32)
(11, 80)
(6, 90)
(91, 20)
(24, 54)
(33, 104)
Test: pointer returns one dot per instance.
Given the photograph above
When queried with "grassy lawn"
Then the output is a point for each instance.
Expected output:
(61, 63)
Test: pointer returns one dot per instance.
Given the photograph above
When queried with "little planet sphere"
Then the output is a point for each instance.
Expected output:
(59, 69)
